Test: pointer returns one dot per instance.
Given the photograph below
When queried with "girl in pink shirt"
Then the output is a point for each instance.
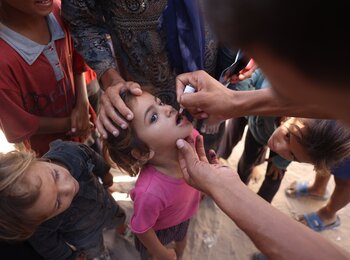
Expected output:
(163, 202)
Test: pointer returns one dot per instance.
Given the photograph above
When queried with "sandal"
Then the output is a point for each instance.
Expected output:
(314, 222)
(301, 189)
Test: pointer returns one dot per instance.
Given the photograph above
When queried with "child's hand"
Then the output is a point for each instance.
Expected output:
(169, 254)
(245, 73)
(80, 120)
(107, 180)
(277, 174)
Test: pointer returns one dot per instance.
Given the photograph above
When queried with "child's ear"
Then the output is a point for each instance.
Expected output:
(138, 155)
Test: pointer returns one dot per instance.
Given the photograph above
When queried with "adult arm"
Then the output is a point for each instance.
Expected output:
(213, 99)
(89, 31)
(273, 232)
(150, 240)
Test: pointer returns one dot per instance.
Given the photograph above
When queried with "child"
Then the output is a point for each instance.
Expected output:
(57, 201)
(325, 144)
(42, 88)
(163, 202)
(260, 128)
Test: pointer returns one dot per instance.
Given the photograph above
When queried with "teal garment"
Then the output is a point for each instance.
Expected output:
(262, 127)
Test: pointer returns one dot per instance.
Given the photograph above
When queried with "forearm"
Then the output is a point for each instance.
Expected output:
(274, 233)
(110, 77)
(265, 103)
(81, 90)
(49, 125)
(88, 29)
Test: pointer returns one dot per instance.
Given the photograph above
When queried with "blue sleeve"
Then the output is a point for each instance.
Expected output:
(280, 162)
(75, 155)
(50, 245)
(86, 23)
(100, 167)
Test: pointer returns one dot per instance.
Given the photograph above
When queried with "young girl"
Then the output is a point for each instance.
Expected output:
(325, 144)
(42, 87)
(57, 201)
(163, 202)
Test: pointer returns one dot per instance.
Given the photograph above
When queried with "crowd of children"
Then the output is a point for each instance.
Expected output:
(53, 193)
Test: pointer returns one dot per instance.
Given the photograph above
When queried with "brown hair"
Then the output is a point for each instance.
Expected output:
(117, 150)
(17, 195)
(327, 142)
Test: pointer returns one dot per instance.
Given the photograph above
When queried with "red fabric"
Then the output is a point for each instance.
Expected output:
(90, 75)
(29, 91)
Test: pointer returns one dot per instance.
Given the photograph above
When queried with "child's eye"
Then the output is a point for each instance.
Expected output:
(287, 136)
(154, 118)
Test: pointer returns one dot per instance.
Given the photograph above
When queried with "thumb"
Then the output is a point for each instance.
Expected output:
(187, 156)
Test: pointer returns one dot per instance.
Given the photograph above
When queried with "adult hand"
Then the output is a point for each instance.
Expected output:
(111, 101)
(211, 98)
(196, 169)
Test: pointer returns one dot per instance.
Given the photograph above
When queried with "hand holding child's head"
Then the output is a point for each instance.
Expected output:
(151, 134)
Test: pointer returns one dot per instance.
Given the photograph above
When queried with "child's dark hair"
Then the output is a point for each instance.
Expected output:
(327, 142)
(117, 149)
(17, 195)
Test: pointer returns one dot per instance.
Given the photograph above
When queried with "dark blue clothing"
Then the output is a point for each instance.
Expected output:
(92, 210)
(185, 37)
(342, 171)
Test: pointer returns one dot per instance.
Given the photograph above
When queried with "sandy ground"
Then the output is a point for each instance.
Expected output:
(212, 235)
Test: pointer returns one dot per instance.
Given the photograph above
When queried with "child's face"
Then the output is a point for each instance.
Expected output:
(284, 141)
(57, 188)
(156, 124)
(31, 7)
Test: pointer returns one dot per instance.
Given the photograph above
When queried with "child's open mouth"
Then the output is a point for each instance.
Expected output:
(44, 2)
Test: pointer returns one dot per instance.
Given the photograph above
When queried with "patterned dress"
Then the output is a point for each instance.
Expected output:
(138, 42)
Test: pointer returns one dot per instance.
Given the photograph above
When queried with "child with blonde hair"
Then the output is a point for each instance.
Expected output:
(57, 202)
(163, 201)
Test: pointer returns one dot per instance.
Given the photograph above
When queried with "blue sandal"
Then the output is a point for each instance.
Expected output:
(302, 190)
(315, 223)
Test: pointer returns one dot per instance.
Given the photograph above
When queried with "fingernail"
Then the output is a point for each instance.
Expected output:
(124, 126)
(129, 117)
(115, 133)
(180, 143)
(73, 130)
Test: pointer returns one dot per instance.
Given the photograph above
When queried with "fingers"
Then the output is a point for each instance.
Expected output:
(103, 124)
(111, 101)
(248, 70)
(213, 159)
(187, 156)
(134, 88)
(181, 81)
(200, 149)
(73, 125)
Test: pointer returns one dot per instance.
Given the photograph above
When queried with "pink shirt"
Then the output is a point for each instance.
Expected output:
(161, 201)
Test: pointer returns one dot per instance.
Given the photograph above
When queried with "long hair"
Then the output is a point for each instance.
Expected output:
(117, 149)
(17, 195)
(327, 142)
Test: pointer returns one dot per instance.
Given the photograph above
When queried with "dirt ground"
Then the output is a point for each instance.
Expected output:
(212, 235)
